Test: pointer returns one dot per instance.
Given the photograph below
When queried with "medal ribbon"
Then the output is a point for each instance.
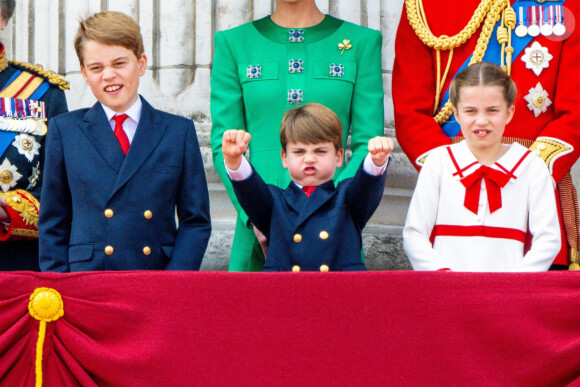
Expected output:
(9, 106)
(494, 181)
(521, 16)
(550, 14)
(533, 15)
(22, 108)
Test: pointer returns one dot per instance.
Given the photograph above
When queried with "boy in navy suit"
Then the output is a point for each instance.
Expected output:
(311, 225)
(117, 173)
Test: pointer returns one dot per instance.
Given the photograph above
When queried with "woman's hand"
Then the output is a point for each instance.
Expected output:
(262, 240)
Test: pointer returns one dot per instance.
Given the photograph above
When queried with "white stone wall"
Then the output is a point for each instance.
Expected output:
(178, 37)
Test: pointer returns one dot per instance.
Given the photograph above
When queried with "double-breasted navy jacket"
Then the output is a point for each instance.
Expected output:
(308, 232)
(103, 210)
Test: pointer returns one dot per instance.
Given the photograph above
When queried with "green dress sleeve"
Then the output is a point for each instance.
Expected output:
(227, 109)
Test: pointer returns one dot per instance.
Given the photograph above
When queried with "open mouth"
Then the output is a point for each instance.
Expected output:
(113, 88)
(482, 132)
(309, 171)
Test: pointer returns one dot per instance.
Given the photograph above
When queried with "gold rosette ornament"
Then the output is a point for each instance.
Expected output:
(46, 306)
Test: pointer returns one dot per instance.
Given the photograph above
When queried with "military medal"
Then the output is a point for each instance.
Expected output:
(534, 28)
(546, 20)
(538, 100)
(559, 28)
(8, 175)
(30, 126)
(26, 145)
(521, 29)
(537, 58)
(33, 179)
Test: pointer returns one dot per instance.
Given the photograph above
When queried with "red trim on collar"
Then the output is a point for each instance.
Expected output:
(459, 171)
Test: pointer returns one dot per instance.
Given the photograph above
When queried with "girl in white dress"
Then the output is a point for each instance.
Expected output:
(480, 205)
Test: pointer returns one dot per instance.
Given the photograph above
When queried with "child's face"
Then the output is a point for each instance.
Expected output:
(113, 74)
(311, 164)
(483, 113)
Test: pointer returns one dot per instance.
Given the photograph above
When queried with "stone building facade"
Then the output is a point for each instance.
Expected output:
(178, 37)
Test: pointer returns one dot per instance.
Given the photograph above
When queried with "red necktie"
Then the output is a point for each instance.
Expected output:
(494, 181)
(308, 189)
(120, 133)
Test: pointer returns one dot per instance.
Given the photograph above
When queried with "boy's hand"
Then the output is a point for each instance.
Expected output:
(234, 144)
(380, 148)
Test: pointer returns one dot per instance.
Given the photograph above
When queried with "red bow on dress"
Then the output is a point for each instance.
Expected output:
(494, 181)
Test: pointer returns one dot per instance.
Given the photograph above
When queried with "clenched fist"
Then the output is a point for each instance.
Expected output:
(379, 149)
(234, 145)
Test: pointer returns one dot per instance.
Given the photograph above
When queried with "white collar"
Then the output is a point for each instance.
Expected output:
(514, 160)
(134, 111)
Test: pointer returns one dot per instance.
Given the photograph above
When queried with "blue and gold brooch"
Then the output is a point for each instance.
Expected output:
(336, 70)
(296, 36)
(295, 96)
(254, 71)
(295, 66)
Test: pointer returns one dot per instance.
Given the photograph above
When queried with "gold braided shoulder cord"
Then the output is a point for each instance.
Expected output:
(491, 11)
(52, 77)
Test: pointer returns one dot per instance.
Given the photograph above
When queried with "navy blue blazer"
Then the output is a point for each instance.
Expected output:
(102, 210)
(323, 229)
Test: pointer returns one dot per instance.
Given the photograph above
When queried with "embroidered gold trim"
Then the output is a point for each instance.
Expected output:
(421, 159)
(550, 149)
(24, 233)
(27, 206)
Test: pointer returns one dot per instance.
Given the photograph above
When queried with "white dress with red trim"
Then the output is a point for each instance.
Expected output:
(468, 217)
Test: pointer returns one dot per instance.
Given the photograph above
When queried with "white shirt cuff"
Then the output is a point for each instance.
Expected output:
(242, 173)
(370, 167)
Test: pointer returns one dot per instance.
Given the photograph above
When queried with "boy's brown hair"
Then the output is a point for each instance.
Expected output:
(110, 27)
(312, 123)
(483, 74)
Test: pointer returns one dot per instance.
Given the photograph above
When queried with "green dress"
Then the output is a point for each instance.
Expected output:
(260, 70)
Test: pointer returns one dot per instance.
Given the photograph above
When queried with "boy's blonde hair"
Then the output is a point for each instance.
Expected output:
(312, 123)
(112, 28)
(483, 74)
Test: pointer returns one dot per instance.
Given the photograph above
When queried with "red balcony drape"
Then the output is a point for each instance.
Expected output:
(373, 328)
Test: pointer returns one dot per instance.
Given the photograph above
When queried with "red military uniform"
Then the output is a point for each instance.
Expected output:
(547, 108)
